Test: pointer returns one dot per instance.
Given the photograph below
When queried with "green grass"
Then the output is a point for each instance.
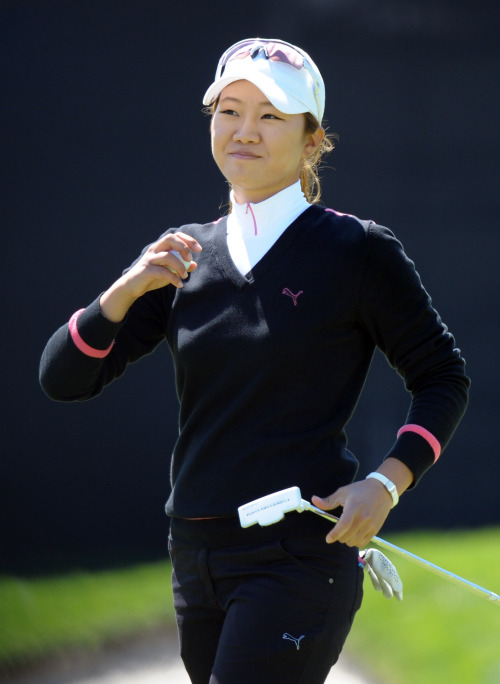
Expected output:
(440, 633)
(42, 616)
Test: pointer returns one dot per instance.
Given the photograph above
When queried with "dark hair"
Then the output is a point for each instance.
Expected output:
(309, 173)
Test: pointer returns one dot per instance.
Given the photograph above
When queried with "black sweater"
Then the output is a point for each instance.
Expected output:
(269, 367)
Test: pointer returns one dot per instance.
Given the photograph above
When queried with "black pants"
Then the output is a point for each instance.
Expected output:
(275, 609)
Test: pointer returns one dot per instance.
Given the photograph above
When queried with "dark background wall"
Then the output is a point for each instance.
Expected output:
(104, 147)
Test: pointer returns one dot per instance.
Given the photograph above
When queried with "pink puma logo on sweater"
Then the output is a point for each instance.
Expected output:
(289, 293)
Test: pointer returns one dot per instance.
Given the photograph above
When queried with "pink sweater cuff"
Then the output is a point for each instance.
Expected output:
(428, 436)
(80, 344)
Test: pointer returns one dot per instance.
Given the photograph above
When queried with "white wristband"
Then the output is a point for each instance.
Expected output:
(388, 484)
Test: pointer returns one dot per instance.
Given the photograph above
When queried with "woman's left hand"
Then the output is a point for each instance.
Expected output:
(366, 506)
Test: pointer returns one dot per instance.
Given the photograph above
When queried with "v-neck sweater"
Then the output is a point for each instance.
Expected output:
(269, 365)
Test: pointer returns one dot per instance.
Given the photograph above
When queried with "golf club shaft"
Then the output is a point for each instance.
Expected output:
(446, 574)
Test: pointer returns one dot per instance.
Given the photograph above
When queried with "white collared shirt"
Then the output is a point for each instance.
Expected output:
(252, 229)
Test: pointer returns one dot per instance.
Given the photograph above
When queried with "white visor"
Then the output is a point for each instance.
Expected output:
(292, 85)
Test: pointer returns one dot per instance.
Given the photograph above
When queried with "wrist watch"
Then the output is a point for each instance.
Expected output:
(388, 484)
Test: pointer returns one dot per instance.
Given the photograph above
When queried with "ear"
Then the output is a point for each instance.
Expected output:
(313, 141)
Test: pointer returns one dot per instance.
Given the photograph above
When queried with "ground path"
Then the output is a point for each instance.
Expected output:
(152, 659)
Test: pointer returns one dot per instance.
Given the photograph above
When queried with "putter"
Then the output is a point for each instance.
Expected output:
(271, 509)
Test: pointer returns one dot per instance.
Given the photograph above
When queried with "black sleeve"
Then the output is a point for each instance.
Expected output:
(69, 374)
(398, 313)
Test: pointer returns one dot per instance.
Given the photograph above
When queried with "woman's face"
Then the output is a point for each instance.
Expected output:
(258, 148)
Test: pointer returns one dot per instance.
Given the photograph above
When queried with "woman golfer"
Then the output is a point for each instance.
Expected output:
(272, 315)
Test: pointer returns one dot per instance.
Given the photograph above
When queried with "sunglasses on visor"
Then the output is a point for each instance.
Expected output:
(274, 50)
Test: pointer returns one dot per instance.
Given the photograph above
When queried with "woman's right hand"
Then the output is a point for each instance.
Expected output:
(151, 272)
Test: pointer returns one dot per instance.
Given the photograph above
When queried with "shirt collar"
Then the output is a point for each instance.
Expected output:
(272, 215)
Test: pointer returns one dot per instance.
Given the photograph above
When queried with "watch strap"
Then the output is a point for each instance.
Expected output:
(388, 484)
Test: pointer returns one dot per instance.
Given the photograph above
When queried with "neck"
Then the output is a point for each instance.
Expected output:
(242, 196)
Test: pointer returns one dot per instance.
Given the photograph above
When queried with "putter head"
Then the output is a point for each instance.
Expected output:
(271, 509)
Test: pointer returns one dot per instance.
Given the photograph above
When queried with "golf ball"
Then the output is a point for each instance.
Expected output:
(187, 264)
